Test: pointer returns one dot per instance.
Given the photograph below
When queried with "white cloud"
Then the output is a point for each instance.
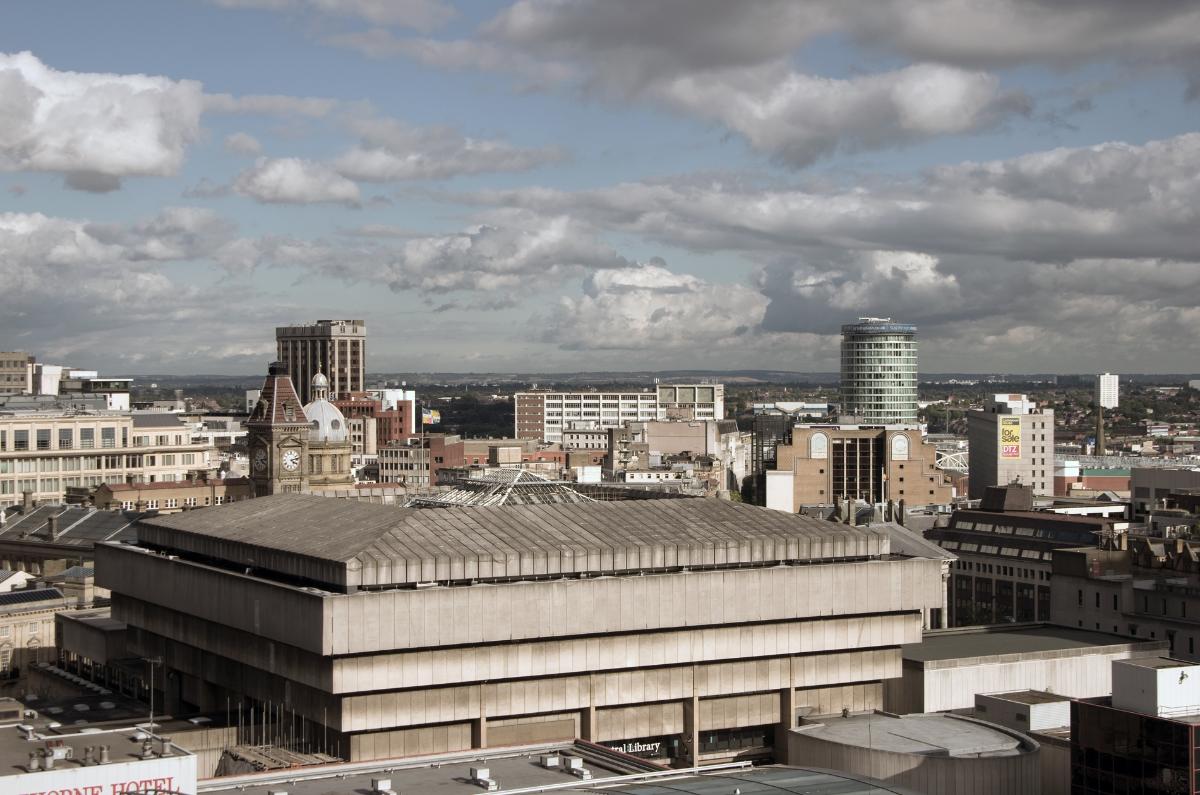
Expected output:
(525, 256)
(798, 118)
(270, 105)
(423, 15)
(94, 127)
(292, 180)
(391, 150)
(649, 307)
(243, 144)
(1070, 243)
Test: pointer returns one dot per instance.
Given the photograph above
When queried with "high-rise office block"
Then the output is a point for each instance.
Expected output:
(1107, 390)
(1011, 442)
(879, 371)
(337, 348)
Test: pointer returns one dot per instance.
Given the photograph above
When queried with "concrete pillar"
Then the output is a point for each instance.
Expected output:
(787, 722)
(691, 731)
(587, 723)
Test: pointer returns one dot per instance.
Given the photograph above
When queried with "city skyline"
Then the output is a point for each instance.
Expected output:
(548, 187)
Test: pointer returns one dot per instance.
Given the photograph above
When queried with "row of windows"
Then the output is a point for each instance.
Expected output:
(92, 462)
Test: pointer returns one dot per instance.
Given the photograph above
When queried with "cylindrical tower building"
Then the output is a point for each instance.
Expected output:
(879, 371)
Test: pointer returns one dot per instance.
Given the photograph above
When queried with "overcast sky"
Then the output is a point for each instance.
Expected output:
(632, 184)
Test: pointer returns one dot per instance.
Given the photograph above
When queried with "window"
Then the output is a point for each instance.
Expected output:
(66, 438)
(43, 438)
(33, 627)
(20, 440)
(1097, 598)
(1114, 601)
(87, 438)
(168, 460)
(1081, 597)
(108, 437)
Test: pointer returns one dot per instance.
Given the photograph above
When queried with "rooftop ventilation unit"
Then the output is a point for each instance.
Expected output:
(382, 786)
(483, 777)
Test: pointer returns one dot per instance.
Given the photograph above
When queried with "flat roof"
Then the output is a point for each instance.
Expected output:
(442, 774)
(1160, 662)
(519, 769)
(932, 734)
(1029, 697)
(972, 643)
(350, 543)
(124, 745)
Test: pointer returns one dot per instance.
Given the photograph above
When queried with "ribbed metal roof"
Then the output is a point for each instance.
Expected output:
(343, 542)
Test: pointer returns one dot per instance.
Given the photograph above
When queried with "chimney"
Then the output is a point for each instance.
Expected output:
(27, 502)
(140, 506)
(52, 527)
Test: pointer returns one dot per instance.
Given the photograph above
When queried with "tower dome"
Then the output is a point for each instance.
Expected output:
(320, 386)
(326, 421)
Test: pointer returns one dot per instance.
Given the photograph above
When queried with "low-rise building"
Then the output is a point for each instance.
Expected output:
(48, 452)
(1046, 718)
(1005, 552)
(948, 667)
(1149, 589)
(27, 628)
(48, 758)
(545, 415)
(932, 754)
(829, 464)
(704, 624)
(172, 496)
(1142, 737)
(1151, 486)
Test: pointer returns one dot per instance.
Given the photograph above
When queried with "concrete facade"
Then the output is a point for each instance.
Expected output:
(949, 667)
(666, 636)
(1011, 443)
(1150, 591)
(932, 754)
(48, 452)
(1150, 486)
(336, 347)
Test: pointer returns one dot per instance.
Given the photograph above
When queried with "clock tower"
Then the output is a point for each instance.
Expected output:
(277, 437)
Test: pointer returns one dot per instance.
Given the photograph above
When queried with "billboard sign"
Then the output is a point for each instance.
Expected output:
(1010, 437)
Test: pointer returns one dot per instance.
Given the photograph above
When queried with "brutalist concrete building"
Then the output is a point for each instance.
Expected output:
(691, 630)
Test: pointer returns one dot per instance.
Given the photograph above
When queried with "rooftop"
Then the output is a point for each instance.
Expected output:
(125, 744)
(346, 543)
(932, 734)
(157, 419)
(519, 770)
(1029, 697)
(77, 525)
(972, 644)
(1159, 662)
(175, 484)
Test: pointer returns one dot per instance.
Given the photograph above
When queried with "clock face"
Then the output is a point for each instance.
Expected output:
(260, 459)
(291, 460)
